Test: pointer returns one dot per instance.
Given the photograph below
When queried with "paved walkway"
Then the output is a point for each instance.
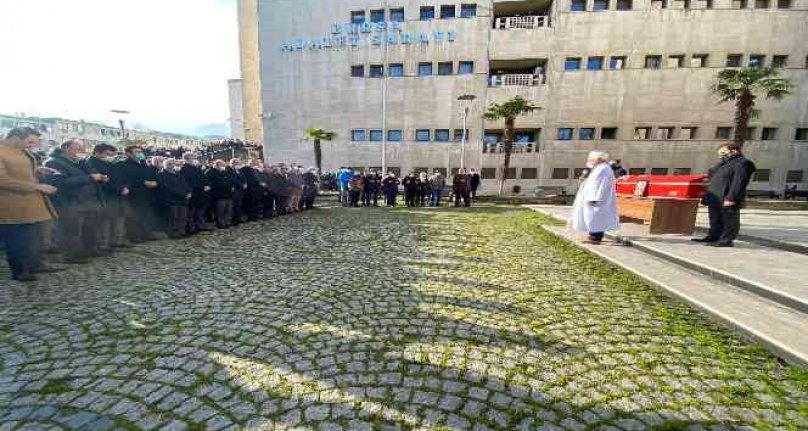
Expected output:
(786, 226)
(359, 319)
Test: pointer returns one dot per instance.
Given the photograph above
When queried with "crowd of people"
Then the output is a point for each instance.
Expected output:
(366, 188)
(87, 205)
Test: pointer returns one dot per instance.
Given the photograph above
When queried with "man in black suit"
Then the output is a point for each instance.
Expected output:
(726, 194)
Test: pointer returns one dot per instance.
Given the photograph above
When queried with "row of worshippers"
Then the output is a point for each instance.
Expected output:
(87, 205)
(365, 189)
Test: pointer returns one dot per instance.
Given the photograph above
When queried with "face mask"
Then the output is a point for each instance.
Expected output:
(177, 168)
(108, 159)
(590, 165)
(192, 162)
(221, 169)
(140, 157)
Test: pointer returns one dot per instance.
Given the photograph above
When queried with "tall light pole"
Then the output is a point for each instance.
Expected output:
(469, 100)
(121, 121)
(385, 72)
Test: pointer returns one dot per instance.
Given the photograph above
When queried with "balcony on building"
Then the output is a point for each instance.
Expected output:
(524, 141)
(522, 15)
(517, 73)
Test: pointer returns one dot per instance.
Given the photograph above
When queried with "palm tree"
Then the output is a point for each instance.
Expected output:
(509, 110)
(743, 86)
(317, 134)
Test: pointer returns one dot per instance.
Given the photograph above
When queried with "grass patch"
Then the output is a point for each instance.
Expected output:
(55, 387)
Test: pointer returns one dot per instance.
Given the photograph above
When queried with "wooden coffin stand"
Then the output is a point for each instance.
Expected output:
(668, 204)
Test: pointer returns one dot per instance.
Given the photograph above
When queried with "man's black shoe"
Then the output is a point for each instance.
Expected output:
(720, 244)
(25, 278)
(77, 260)
(705, 239)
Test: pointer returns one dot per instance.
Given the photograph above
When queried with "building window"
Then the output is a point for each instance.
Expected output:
(723, 132)
(394, 135)
(608, 133)
(465, 67)
(458, 135)
(642, 133)
(358, 71)
(757, 60)
(594, 63)
(688, 133)
(468, 10)
(617, 63)
(762, 176)
(801, 134)
(447, 11)
(397, 15)
(761, 4)
(768, 134)
(636, 171)
(734, 60)
(739, 4)
(376, 71)
(676, 61)
(524, 138)
(658, 4)
(424, 69)
(561, 173)
(578, 5)
(427, 13)
(377, 15)
(396, 70)
(564, 134)
(794, 176)
(488, 173)
(442, 135)
(510, 174)
(422, 135)
(659, 171)
(358, 135)
(623, 4)
(529, 173)
(665, 133)
(445, 68)
(600, 5)
(653, 61)
(586, 133)
(376, 135)
(783, 4)
(681, 171)
(751, 132)
(698, 60)
(780, 61)
(358, 17)
(572, 63)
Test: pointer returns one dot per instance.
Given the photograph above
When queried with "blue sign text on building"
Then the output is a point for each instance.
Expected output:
(374, 34)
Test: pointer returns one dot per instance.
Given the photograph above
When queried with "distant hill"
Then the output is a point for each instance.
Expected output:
(213, 129)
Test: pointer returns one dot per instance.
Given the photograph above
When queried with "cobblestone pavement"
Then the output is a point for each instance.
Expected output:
(360, 319)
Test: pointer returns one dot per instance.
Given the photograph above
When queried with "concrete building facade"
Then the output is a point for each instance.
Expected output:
(631, 77)
(235, 90)
(249, 59)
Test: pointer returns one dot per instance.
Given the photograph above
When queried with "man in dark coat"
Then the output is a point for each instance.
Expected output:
(78, 202)
(410, 184)
(222, 188)
(256, 190)
(240, 191)
(726, 195)
(460, 188)
(279, 187)
(142, 185)
(174, 194)
(474, 183)
(200, 193)
(390, 186)
(111, 226)
(310, 187)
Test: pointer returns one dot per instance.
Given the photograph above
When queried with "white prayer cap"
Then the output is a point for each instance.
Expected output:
(598, 155)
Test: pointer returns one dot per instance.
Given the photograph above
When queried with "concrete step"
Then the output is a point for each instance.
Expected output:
(779, 328)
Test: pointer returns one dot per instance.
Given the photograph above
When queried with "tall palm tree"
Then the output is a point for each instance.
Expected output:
(743, 86)
(509, 110)
(317, 134)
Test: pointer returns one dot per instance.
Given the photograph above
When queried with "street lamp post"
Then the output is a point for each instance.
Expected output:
(121, 121)
(466, 108)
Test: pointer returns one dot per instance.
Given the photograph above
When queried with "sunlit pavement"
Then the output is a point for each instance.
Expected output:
(355, 319)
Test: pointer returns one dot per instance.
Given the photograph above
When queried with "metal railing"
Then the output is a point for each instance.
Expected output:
(518, 79)
(499, 147)
(522, 22)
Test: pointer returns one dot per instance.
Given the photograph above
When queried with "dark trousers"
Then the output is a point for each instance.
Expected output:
(223, 208)
(23, 243)
(78, 231)
(197, 218)
(421, 198)
(268, 201)
(461, 193)
(409, 197)
(238, 208)
(353, 196)
(254, 203)
(596, 236)
(177, 220)
(390, 197)
(725, 222)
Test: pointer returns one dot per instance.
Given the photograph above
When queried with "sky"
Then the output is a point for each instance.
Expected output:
(165, 61)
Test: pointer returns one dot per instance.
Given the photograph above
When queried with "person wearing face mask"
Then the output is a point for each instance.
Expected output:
(174, 195)
(141, 183)
(410, 184)
(24, 205)
(460, 188)
(111, 227)
(311, 184)
(726, 195)
(240, 181)
(200, 193)
(390, 186)
(595, 207)
(222, 187)
(256, 189)
(78, 202)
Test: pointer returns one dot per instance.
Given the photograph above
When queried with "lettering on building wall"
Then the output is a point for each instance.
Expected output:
(367, 34)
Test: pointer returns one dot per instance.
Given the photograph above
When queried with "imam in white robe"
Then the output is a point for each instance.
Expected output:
(598, 187)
